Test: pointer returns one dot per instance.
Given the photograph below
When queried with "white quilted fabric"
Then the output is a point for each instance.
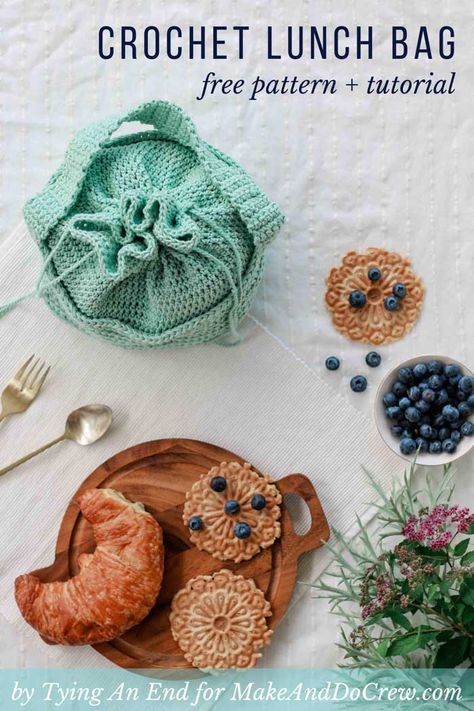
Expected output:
(349, 171)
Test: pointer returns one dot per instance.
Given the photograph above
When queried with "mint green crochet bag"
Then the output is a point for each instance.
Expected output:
(151, 239)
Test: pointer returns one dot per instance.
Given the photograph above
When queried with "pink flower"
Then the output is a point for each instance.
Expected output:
(437, 527)
(441, 541)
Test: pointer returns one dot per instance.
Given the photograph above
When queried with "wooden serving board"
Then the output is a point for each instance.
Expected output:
(159, 474)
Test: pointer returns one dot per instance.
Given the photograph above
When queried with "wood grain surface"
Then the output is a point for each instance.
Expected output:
(159, 474)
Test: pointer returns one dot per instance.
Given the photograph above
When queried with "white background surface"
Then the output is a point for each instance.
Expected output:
(349, 171)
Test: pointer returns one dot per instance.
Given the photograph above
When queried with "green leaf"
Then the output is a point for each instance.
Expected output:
(444, 586)
(466, 593)
(434, 556)
(383, 647)
(457, 611)
(404, 644)
(461, 548)
(468, 558)
(399, 619)
(468, 617)
(452, 653)
(444, 636)
(433, 593)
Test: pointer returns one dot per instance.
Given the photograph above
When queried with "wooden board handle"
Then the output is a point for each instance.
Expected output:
(318, 533)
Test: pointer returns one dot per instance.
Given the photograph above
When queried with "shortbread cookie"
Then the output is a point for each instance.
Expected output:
(233, 512)
(373, 323)
(219, 621)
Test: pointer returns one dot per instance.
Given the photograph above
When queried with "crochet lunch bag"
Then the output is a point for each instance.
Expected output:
(151, 239)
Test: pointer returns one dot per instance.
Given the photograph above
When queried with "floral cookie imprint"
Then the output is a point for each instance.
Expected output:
(233, 512)
(374, 296)
(219, 621)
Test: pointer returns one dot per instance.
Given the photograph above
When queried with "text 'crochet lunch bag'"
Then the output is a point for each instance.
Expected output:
(151, 239)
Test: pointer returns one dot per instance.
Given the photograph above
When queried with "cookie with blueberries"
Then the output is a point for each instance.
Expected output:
(233, 512)
(374, 296)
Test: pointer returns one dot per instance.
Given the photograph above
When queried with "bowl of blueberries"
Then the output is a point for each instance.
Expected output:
(424, 408)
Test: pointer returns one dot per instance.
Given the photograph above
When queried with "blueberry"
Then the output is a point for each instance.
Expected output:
(466, 384)
(464, 409)
(391, 303)
(399, 389)
(423, 385)
(404, 403)
(449, 446)
(454, 380)
(422, 406)
(450, 413)
(439, 421)
(412, 414)
(332, 363)
(444, 433)
(218, 483)
(426, 431)
(455, 425)
(359, 383)
(435, 382)
(373, 359)
(407, 445)
(451, 370)
(231, 507)
(242, 530)
(414, 393)
(420, 370)
(467, 429)
(421, 444)
(442, 397)
(258, 502)
(396, 430)
(470, 402)
(436, 447)
(408, 432)
(435, 367)
(374, 274)
(429, 395)
(456, 436)
(399, 290)
(195, 523)
(405, 375)
(357, 299)
(461, 396)
(390, 399)
(394, 413)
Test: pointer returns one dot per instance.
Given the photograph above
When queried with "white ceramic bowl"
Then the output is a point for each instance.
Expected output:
(384, 424)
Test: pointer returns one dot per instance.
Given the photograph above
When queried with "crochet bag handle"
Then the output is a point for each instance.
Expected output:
(44, 210)
(261, 217)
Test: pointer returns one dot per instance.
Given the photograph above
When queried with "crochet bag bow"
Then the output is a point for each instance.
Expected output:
(151, 239)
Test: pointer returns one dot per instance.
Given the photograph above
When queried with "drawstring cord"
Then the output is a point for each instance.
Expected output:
(41, 289)
(235, 284)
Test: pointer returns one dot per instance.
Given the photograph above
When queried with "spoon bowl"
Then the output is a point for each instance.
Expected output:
(88, 424)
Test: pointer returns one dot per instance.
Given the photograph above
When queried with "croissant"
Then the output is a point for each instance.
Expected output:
(116, 586)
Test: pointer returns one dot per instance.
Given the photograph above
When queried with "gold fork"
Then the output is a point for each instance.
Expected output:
(24, 387)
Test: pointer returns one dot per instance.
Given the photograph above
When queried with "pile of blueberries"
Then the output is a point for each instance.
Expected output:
(358, 299)
(429, 405)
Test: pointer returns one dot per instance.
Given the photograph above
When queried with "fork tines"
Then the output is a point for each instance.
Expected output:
(32, 374)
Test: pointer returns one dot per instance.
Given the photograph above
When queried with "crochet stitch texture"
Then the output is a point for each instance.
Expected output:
(151, 239)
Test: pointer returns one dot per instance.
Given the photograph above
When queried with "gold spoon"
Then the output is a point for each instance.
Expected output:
(83, 426)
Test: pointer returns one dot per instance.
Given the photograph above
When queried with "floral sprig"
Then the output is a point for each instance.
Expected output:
(408, 602)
